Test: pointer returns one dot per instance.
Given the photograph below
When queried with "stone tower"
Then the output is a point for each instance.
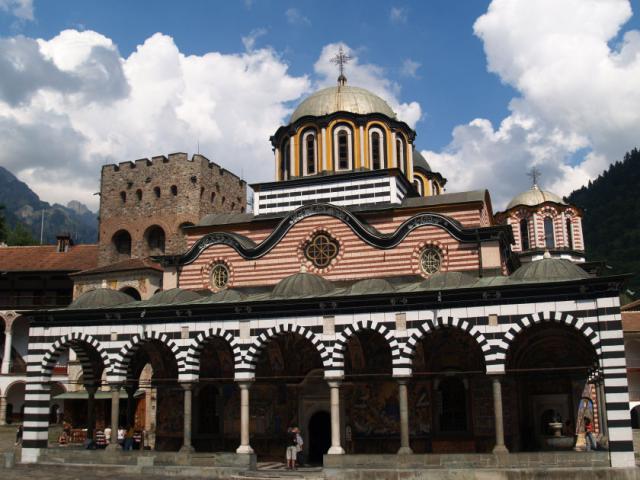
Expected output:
(145, 205)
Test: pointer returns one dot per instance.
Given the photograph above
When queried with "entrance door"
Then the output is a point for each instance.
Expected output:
(319, 436)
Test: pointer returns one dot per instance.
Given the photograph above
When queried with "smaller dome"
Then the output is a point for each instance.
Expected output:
(101, 297)
(419, 161)
(534, 196)
(370, 286)
(173, 296)
(549, 269)
(302, 285)
(226, 295)
(448, 280)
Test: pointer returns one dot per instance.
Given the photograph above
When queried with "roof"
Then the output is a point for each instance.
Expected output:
(123, 266)
(341, 98)
(534, 196)
(44, 258)
(302, 285)
(549, 269)
(419, 161)
(100, 297)
(173, 296)
(631, 306)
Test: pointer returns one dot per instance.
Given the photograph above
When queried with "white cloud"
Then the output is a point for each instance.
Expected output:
(295, 17)
(72, 103)
(369, 76)
(577, 94)
(398, 15)
(23, 9)
(249, 41)
(410, 68)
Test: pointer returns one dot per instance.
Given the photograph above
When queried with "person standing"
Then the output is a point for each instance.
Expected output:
(588, 433)
(19, 435)
(299, 447)
(292, 451)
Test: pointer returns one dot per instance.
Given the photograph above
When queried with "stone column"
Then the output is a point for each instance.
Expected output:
(405, 448)
(3, 410)
(244, 447)
(336, 448)
(188, 396)
(131, 404)
(6, 360)
(91, 410)
(498, 417)
(115, 415)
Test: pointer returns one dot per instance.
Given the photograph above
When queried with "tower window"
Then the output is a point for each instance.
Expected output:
(343, 151)
(123, 197)
(213, 197)
(548, 233)
(524, 234)
(310, 153)
(569, 234)
(156, 191)
(122, 243)
(155, 240)
(285, 157)
(139, 194)
(418, 184)
(174, 190)
(376, 150)
(400, 154)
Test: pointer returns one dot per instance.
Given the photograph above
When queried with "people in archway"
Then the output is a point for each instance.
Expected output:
(128, 438)
(292, 450)
(588, 432)
(299, 446)
(19, 435)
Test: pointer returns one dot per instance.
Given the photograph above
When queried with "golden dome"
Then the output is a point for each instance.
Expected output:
(342, 98)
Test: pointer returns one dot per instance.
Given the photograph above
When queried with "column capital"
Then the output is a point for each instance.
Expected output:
(244, 383)
(402, 380)
(187, 385)
(334, 383)
(115, 386)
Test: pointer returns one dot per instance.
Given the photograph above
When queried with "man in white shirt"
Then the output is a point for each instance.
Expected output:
(299, 446)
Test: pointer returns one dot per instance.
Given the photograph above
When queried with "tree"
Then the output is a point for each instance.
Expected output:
(20, 236)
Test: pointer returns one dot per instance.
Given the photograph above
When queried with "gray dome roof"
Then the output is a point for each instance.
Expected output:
(420, 161)
(341, 98)
(302, 285)
(447, 280)
(371, 285)
(173, 295)
(101, 297)
(226, 295)
(534, 196)
(557, 269)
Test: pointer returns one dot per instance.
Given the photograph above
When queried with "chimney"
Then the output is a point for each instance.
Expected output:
(63, 242)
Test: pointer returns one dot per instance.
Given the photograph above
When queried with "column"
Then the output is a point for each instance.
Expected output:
(405, 448)
(336, 448)
(323, 140)
(6, 359)
(188, 396)
(91, 411)
(131, 404)
(3, 410)
(115, 415)
(602, 408)
(498, 416)
(292, 157)
(244, 447)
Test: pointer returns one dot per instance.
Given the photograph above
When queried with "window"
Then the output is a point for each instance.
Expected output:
(569, 234)
(155, 240)
(122, 243)
(321, 250)
(309, 157)
(156, 191)
(453, 405)
(418, 184)
(139, 194)
(285, 156)
(219, 276)
(400, 154)
(123, 197)
(524, 234)
(548, 233)
(174, 190)
(213, 197)
(342, 140)
(430, 260)
(376, 146)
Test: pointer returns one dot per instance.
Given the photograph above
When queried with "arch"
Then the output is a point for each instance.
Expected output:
(377, 148)
(342, 147)
(551, 317)
(121, 366)
(431, 325)
(13, 384)
(342, 339)
(548, 223)
(155, 239)
(417, 183)
(79, 343)
(121, 241)
(123, 197)
(132, 292)
(285, 159)
(156, 191)
(192, 362)
(309, 152)
(253, 354)
(524, 234)
(174, 190)
(139, 195)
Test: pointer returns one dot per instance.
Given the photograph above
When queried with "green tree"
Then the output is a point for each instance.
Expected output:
(20, 236)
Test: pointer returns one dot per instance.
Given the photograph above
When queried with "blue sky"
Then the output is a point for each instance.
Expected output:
(433, 58)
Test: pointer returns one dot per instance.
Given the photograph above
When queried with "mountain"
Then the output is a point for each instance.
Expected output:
(22, 205)
(611, 220)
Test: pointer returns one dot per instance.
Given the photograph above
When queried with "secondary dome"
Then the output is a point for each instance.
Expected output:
(549, 269)
(173, 295)
(448, 280)
(534, 196)
(372, 285)
(101, 297)
(420, 161)
(302, 285)
(341, 98)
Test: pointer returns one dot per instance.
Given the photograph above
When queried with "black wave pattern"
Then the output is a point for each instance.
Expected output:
(248, 249)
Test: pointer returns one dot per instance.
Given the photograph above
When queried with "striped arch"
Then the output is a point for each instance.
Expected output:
(89, 352)
(192, 362)
(431, 325)
(545, 317)
(342, 339)
(121, 367)
(253, 353)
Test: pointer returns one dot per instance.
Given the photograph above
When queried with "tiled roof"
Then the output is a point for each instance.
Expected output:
(123, 266)
(42, 258)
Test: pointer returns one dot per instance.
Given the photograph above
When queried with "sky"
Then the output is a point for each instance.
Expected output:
(492, 88)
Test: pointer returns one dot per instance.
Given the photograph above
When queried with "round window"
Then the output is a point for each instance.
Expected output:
(430, 260)
(219, 276)
(321, 249)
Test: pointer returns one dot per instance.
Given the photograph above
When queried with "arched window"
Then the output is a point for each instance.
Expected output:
(376, 147)
(400, 154)
(174, 190)
(524, 234)
(155, 238)
(123, 197)
(122, 243)
(285, 156)
(418, 184)
(132, 292)
(343, 154)
(548, 233)
(139, 194)
(569, 234)
(453, 405)
(309, 153)
(156, 191)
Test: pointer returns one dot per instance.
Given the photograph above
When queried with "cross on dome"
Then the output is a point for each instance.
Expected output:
(535, 175)
(341, 59)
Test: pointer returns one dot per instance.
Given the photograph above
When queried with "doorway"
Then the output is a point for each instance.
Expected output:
(319, 436)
